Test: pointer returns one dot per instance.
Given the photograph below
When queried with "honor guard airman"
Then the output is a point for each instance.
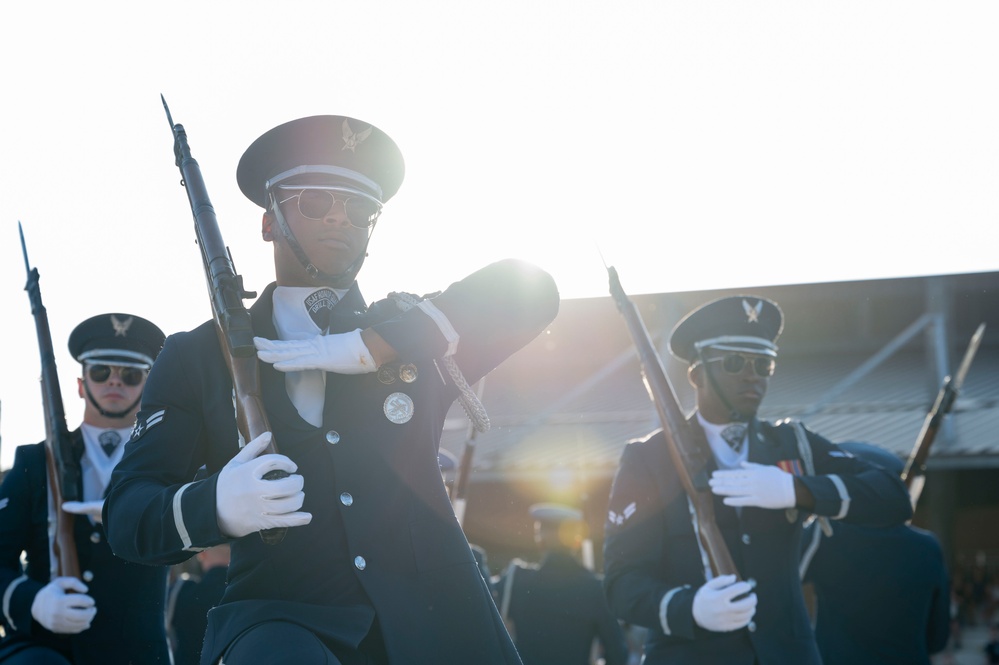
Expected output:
(373, 566)
(113, 613)
(556, 608)
(881, 595)
(765, 480)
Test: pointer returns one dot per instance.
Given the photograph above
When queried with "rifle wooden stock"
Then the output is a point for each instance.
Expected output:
(62, 468)
(232, 319)
(688, 457)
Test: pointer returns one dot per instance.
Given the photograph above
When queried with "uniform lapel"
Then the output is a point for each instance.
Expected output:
(346, 314)
(762, 449)
(725, 516)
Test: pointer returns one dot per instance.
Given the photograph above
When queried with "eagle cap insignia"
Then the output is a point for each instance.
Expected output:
(752, 311)
(353, 139)
(121, 327)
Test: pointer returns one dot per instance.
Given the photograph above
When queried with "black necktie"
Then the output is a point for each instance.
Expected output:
(109, 441)
(734, 434)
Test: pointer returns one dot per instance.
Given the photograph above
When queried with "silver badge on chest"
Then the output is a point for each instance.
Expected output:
(398, 408)
(408, 373)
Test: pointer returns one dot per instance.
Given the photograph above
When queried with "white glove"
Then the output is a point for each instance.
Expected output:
(91, 508)
(714, 607)
(245, 502)
(758, 485)
(342, 353)
(61, 611)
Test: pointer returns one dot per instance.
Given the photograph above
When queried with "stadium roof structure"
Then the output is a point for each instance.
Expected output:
(858, 361)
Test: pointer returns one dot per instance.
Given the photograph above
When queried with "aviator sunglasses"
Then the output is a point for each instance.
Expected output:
(130, 376)
(734, 363)
(315, 204)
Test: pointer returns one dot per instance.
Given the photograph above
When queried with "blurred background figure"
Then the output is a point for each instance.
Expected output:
(50, 616)
(556, 610)
(189, 602)
(882, 594)
(992, 646)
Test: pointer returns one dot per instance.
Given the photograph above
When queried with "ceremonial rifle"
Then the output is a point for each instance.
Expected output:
(232, 319)
(459, 491)
(916, 464)
(687, 456)
(63, 469)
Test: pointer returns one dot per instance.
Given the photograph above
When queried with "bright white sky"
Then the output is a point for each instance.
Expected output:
(698, 144)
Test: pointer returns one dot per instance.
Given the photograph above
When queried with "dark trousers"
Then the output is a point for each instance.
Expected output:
(283, 643)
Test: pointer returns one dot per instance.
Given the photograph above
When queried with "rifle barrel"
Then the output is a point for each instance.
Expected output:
(687, 456)
(916, 464)
(226, 293)
(63, 472)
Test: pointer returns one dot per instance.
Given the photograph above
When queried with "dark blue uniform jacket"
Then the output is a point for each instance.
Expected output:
(651, 548)
(882, 595)
(128, 627)
(558, 609)
(383, 540)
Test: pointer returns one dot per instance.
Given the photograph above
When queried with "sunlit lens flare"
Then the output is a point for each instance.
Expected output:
(560, 465)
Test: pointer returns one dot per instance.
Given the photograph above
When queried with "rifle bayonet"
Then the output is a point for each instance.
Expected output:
(916, 464)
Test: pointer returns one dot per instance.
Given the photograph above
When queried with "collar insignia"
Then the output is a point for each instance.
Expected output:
(351, 139)
(121, 327)
(752, 312)
(319, 304)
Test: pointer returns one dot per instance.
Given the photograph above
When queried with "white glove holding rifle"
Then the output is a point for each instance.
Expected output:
(246, 503)
(719, 607)
(62, 606)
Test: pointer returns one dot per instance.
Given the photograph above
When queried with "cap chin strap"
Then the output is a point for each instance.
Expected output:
(734, 414)
(341, 280)
(110, 414)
